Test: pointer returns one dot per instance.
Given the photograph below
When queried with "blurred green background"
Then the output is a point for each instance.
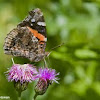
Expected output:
(74, 22)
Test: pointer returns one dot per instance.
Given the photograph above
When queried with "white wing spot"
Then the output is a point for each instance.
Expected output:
(41, 23)
(45, 39)
(32, 20)
(31, 24)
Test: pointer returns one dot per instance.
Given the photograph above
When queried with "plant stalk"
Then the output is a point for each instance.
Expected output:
(35, 96)
(19, 95)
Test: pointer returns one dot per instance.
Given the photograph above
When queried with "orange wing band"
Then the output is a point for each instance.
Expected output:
(37, 35)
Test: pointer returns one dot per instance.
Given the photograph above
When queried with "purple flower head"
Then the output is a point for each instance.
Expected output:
(22, 73)
(48, 74)
(46, 77)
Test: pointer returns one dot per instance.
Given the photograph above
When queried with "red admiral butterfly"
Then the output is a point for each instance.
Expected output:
(29, 38)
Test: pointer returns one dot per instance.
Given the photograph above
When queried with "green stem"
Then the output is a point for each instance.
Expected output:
(19, 95)
(19, 98)
(35, 96)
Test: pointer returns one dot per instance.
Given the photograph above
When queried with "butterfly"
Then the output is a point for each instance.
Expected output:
(29, 38)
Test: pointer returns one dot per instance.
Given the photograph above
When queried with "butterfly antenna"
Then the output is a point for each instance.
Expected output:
(54, 48)
(13, 61)
(57, 46)
(48, 53)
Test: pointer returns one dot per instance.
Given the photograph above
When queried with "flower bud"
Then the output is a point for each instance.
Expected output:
(41, 87)
(20, 86)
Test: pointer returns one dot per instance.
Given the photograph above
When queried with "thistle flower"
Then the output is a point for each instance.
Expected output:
(46, 76)
(22, 73)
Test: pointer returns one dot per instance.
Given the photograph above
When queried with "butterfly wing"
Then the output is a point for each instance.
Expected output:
(27, 39)
(35, 20)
